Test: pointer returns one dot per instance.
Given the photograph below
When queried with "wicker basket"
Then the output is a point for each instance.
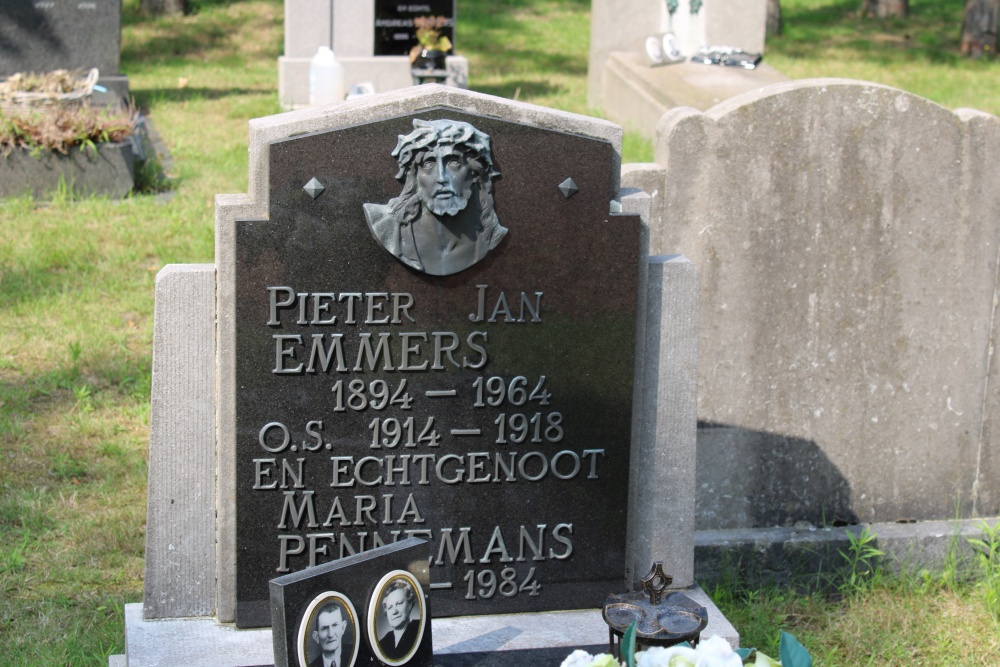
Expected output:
(12, 102)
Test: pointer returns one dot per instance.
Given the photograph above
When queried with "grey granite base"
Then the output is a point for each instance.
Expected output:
(525, 639)
(805, 556)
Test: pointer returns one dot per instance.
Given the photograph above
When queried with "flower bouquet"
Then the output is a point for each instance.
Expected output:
(712, 652)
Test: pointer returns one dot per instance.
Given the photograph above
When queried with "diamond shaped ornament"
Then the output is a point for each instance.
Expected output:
(568, 188)
(314, 188)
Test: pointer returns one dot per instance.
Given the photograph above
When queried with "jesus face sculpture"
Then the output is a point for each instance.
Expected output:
(444, 180)
(443, 221)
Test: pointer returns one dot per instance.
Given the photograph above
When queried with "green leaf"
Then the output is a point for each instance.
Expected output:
(744, 653)
(792, 653)
(628, 645)
(765, 661)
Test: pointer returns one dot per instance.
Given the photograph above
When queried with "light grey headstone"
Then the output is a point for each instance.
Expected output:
(847, 239)
(623, 25)
(180, 512)
(662, 498)
(347, 27)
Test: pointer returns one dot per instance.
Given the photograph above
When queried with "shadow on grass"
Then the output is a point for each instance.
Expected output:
(836, 29)
(215, 35)
(145, 98)
(523, 89)
(518, 34)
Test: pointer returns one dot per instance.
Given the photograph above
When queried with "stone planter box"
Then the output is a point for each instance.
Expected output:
(109, 171)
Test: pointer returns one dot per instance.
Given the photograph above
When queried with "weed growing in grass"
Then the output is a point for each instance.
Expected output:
(82, 393)
(988, 559)
(12, 556)
(862, 560)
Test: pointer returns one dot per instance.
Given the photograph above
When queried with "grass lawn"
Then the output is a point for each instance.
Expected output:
(919, 54)
(76, 303)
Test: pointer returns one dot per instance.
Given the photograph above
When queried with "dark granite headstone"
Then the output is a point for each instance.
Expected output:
(395, 32)
(45, 35)
(487, 410)
(350, 605)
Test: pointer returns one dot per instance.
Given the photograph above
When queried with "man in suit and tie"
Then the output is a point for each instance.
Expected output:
(329, 634)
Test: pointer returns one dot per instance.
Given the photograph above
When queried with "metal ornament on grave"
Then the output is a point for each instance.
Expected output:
(662, 617)
(440, 346)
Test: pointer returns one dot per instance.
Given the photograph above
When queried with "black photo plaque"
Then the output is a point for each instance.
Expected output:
(474, 391)
(395, 31)
(361, 610)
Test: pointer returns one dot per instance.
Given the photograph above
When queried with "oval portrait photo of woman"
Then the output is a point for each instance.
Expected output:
(396, 617)
(328, 634)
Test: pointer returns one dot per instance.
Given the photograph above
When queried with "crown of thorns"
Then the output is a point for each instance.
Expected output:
(429, 132)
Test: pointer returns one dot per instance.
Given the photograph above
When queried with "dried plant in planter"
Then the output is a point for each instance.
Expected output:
(58, 88)
(60, 129)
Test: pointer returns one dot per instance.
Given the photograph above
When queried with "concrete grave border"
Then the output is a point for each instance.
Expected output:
(193, 402)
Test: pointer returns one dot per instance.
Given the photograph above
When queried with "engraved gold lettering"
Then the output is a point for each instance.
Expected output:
(423, 460)
(297, 512)
(351, 298)
(406, 350)
(439, 468)
(285, 551)
(361, 464)
(363, 508)
(410, 509)
(275, 304)
(476, 348)
(501, 308)
(262, 437)
(576, 464)
(336, 513)
(381, 350)
(399, 307)
(322, 301)
(313, 549)
(497, 545)
(296, 475)
(449, 544)
(476, 466)
(562, 539)
(544, 468)
(324, 355)
(260, 472)
(440, 348)
(526, 304)
(593, 461)
(313, 429)
(481, 304)
(536, 547)
(340, 467)
(280, 352)
(403, 469)
(375, 304)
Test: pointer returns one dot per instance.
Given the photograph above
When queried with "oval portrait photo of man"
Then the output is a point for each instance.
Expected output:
(328, 634)
(396, 617)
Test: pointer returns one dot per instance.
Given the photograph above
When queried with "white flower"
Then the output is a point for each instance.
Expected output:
(716, 652)
(580, 658)
(577, 658)
(675, 656)
(712, 652)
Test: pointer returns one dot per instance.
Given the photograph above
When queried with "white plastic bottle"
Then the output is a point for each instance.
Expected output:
(326, 78)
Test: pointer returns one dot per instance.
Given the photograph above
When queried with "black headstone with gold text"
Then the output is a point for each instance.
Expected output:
(453, 361)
